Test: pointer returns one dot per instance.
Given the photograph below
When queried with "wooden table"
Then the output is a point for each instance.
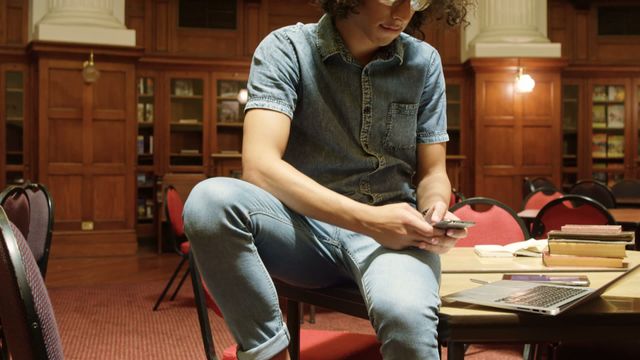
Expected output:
(464, 260)
(632, 201)
(614, 316)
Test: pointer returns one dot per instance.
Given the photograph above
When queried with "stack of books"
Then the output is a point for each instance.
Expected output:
(588, 245)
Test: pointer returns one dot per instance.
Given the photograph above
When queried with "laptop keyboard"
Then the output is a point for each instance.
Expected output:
(542, 296)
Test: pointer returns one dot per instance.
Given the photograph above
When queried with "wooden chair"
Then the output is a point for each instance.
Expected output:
(570, 209)
(28, 321)
(496, 223)
(595, 190)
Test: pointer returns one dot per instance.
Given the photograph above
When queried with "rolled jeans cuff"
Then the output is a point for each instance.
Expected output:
(268, 349)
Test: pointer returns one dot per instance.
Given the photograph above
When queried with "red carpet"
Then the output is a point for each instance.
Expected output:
(116, 322)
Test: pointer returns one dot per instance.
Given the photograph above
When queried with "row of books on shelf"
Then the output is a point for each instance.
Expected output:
(608, 116)
(144, 144)
(605, 145)
(588, 245)
(145, 208)
(145, 112)
(145, 86)
(608, 93)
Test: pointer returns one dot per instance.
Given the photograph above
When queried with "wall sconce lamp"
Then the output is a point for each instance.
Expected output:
(90, 73)
(243, 96)
(524, 82)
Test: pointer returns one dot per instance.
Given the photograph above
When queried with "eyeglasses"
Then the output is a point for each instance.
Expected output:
(416, 5)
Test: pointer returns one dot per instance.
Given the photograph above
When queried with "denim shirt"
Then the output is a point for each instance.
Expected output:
(354, 129)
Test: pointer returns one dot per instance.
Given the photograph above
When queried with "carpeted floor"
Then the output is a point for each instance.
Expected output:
(116, 322)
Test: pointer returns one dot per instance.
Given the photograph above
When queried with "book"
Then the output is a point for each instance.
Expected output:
(599, 93)
(591, 229)
(599, 145)
(530, 247)
(615, 116)
(609, 249)
(616, 93)
(140, 112)
(615, 146)
(599, 116)
(622, 236)
(587, 261)
(148, 112)
(140, 144)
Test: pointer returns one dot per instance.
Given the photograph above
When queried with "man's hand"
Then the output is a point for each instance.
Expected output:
(444, 239)
(399, 226)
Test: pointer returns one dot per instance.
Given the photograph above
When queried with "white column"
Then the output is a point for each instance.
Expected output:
(81, 21)
(509, 28)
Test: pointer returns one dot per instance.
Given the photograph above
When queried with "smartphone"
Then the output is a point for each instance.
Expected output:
(453, 224)
(572, 280)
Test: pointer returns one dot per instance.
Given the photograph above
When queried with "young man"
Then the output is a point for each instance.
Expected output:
(343, 118)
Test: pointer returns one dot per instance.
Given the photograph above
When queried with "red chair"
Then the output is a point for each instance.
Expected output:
(313, 344)
(540, 197)
(496, 223)
(570, 209)
(173, 210)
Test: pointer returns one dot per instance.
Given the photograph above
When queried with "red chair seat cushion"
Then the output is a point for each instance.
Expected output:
(330, 345)
(185, 247)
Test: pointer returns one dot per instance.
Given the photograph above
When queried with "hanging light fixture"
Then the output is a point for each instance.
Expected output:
(524, 82)
(243, 96)
(90, 72)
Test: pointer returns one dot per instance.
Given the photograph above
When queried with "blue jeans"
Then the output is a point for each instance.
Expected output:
(241, 236)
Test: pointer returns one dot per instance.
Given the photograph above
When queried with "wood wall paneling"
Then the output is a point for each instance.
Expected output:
(13, 22)
(289, 12)
(87, 152)
(516, 135)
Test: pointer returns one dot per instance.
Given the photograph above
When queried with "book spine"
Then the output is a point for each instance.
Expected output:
(613, 250)
(590, 261)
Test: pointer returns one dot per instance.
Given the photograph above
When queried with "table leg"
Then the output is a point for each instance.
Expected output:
(455, 350)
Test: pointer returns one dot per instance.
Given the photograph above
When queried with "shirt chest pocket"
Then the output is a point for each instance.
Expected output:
(401, 124)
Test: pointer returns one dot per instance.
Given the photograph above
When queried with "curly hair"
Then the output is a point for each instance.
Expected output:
(454, 11)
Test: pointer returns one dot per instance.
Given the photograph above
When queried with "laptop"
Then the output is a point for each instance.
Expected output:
(539, 298)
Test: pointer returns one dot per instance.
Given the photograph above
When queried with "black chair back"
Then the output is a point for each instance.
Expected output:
(569, 209)
(626, 188)
(595, 190)
(15, 202)
(28, 321)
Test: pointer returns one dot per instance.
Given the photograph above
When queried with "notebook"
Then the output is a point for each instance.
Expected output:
(539, 298)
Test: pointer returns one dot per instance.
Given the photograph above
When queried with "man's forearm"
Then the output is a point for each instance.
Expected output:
(432, 188)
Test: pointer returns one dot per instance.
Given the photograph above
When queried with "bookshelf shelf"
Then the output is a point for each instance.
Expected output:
(12, 118)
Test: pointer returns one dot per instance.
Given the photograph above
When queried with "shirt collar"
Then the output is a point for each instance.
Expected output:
(329, 43)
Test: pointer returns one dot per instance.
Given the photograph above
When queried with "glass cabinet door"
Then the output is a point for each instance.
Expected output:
(186, 122)
(230, 92)
(608, 122)
(14, 114)
(570, 134)
(454, 101)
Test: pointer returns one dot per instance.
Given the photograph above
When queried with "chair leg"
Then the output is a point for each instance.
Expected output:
(203, 316)
(293, 324)
(166, 288)
(175, 292)
(312, 314)
(455, 350)
(4, 351)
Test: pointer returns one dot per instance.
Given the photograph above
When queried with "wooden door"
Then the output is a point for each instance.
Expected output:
(87, 155)
(516, 135)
